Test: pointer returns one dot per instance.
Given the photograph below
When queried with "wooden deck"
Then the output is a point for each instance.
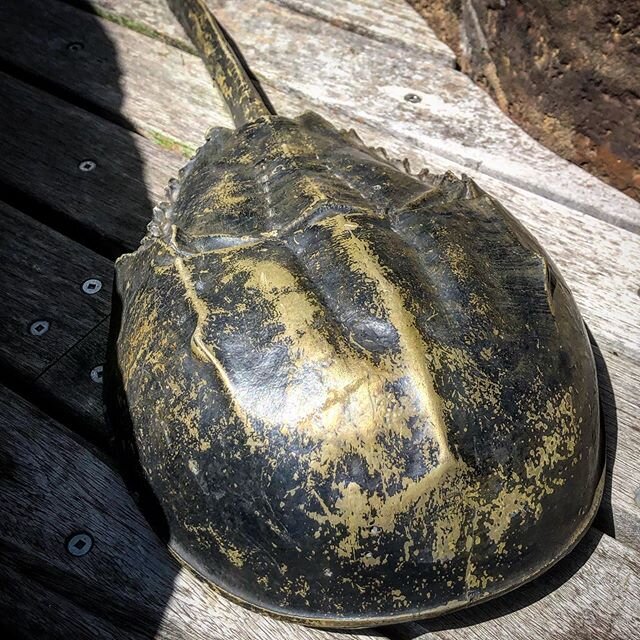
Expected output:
(101, 101)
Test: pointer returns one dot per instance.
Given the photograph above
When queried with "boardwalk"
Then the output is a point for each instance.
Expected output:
(101, 101)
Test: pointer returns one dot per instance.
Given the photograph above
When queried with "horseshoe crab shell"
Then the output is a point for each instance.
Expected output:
(358, 395)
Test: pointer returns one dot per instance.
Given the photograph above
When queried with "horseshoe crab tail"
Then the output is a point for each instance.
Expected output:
(244, 99)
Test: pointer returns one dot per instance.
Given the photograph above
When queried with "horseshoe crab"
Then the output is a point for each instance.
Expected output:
(359, 396)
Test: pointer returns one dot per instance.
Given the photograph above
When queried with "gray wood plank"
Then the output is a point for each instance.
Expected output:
(76, 51)
(393, 21)
(45, 140)
(72, 386)
(41, 279)
(166, 93)
(127, 586)
(352, 79)
(593, 593)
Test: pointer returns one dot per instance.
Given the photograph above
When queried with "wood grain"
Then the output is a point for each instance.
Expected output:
(127, 586)
(393, 22)
(112, 202)
(41, 279)
(593, 593)
(352, 79)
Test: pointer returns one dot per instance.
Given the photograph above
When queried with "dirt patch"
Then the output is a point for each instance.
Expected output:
(564, 70)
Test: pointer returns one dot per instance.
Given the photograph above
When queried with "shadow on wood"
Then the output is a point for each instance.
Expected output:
(70, 158)
(53, 486)
(609, 419)
(114, 584)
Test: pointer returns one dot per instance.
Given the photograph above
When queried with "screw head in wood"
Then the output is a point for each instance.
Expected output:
(91, 286)
(97, 373)
(413, 98)
(87, 165)
(39, 327)
(637, 497)
(79, 544)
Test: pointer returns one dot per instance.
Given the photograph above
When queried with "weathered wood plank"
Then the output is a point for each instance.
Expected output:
(394, 22)
(619, 383)
(41, 279)
(593, 593)
(352, 79)
(127, 586)
(44, 142)
(57, 600)
(73, 385)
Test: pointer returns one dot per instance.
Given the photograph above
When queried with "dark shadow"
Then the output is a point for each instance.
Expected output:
(609, 419)
(568, 566)
(69, 154)
(122, 445)
(70, 160)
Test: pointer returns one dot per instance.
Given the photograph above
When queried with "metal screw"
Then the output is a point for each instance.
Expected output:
(87, 165)
(79, 544)
(39, 327)
(91, 286)
(96, 374)
(75, 46)
(413, 97)
(637, 497)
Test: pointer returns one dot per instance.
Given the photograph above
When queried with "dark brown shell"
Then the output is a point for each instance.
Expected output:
(359, 397)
